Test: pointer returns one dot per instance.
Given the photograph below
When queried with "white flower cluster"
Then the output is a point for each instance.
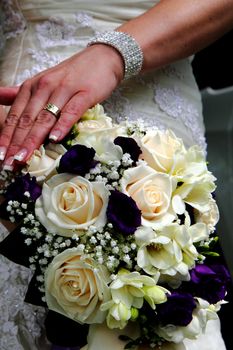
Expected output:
(84, 241)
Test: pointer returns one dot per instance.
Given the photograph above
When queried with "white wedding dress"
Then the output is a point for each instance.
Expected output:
(37, 34)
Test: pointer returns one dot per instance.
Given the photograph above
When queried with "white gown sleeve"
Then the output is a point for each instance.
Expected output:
(102, 338)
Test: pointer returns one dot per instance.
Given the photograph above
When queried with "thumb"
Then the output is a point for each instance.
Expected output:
(8, 95)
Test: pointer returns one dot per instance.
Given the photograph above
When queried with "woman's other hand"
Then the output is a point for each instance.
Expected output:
(74, 85)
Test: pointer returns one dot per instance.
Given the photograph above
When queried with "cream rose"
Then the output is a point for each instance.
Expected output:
(76, 287)
(152, 192)
(44, 161)
(69, 204)
(160, 150)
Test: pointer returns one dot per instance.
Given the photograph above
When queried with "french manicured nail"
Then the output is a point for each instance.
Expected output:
(55, 135)
(21, 155)
(2, 152)
(8, 165)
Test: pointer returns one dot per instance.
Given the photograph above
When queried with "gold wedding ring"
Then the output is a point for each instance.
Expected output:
(50, 107)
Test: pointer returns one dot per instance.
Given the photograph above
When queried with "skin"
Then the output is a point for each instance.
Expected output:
(171, 30)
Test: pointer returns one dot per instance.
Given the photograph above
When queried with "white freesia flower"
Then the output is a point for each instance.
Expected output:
(104, 146)
(128, 291)
(95, 113)
(161, 149)
(201, 314)
(44, 161)
(152, 192)
(192, 167)
(196, 194)
(90, 126)
(96, 130)
(76, 287)
(209, 217)
(94, 119)
(192, 173)
(69, 204)
(169, 251)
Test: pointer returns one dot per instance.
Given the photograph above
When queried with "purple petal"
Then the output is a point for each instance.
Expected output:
(128, 145)
(79, 159)
(123, 213)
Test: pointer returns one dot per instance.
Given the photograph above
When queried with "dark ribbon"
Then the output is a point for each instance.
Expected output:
(57, 347)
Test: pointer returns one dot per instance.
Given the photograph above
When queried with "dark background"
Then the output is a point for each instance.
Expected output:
(213, 67)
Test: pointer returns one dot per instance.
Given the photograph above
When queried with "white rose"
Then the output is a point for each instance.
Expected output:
(69, 204)
(44, 161)
(76, 287)
(152, 193)
(160, 150)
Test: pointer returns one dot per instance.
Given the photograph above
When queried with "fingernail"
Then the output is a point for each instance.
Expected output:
(2, 152)
(8, 165)
(21, 155)
(55, 135)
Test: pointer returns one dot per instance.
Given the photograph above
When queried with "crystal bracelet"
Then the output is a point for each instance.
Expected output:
(128, 48)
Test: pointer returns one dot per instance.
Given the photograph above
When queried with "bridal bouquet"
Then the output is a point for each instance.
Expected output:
(118, 227)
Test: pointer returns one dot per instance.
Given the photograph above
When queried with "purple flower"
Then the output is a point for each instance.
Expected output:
(79, 159)
(22, 184)
(177, 310)
(209, 282)
(128, 145)
(123, 213)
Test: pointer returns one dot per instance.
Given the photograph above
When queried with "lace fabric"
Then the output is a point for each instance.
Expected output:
(12, 21)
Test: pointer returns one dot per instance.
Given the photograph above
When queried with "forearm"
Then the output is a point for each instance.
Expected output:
(174, 29)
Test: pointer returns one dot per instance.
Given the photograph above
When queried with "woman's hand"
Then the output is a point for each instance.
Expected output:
(74, 85)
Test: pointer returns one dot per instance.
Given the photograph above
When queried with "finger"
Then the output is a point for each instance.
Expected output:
(70, 114)
(2, 116)
(2, 120)
(41, 125)
(36, 136)
(8, 95)
(11, 120)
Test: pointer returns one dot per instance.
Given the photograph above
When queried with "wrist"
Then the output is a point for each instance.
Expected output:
(112, 57)
(126, 46)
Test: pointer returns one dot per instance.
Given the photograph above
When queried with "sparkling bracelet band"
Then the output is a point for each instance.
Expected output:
(128, 48)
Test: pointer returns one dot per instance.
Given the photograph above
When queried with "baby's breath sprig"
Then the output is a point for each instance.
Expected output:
(111, 248)
(136, 128)
(6, 178)
(111, 172)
